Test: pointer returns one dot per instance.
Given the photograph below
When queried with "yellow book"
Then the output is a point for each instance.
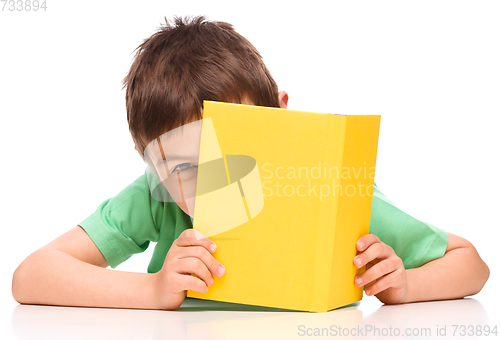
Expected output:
(285, 195)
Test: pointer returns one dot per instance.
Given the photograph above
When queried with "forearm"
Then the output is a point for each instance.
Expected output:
(459, 273)
(53, 277)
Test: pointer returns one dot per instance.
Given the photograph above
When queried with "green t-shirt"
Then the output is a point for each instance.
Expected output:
(125, 225)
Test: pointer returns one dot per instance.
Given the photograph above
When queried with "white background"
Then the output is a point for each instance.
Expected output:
(430, 68)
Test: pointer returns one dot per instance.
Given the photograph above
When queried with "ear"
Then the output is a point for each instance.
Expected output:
(283, 99)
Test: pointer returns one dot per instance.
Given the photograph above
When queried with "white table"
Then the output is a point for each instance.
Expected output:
(198, 319)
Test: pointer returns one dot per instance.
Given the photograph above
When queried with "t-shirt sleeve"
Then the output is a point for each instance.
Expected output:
(123, 225)
(415, 242)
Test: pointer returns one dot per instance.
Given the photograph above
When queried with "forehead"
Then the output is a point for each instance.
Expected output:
(180, 143)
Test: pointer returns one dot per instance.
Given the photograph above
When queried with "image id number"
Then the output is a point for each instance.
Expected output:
(470, 330)
(23, 5)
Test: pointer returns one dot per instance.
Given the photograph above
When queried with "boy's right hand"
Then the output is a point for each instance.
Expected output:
(191, 253)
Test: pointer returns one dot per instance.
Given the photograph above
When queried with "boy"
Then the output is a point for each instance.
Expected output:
(174, 70)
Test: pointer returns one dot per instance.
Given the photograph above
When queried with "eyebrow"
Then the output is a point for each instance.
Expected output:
(174, 158)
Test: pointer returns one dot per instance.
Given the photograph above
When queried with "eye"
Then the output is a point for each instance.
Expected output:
(183, 166)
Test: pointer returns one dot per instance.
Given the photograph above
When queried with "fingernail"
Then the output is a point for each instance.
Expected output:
(222, 270)
(358, 280)
(211, 281)
(357, 260)
(367, 291)
(213, 247)
(206, 290)
(360, 245)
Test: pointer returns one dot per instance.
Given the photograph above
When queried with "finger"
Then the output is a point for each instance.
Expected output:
(392, 280)
(377, 250)
(193, 265)
(190, 282)
(366, 241)
(214, 266)
(191, 237)
(375, 272)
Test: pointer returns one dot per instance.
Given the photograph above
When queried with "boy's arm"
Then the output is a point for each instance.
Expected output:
(71, 271)
(459, 273)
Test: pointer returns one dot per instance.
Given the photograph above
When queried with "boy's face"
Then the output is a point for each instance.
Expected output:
(174, 157)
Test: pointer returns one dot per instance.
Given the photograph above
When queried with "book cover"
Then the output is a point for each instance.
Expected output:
(285, 195)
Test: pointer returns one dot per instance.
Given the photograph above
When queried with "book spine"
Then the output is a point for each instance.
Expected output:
(334, 153)
(354, 206)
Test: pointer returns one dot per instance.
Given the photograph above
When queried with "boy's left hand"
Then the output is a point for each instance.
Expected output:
(385, 275)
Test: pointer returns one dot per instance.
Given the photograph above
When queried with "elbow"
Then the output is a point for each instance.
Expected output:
(483, 275)
(17, 284)
(481, 271)
(21, 280)
(468, 256)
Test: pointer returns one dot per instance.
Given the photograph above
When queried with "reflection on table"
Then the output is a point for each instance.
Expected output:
(200, 319)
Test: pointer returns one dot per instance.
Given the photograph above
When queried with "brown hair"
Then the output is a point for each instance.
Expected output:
(184, 63)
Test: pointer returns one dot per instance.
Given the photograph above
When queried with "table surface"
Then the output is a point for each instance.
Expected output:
(198, 319)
